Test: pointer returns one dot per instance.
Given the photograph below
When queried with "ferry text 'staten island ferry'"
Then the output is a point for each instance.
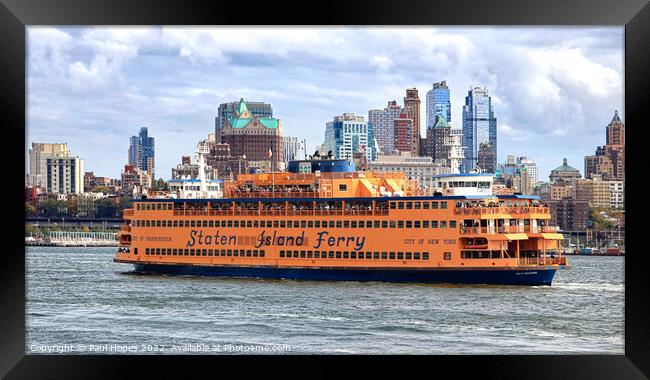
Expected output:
(314, 223)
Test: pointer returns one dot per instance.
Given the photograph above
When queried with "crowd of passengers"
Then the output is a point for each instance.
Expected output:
(480, 204)
(248, 188)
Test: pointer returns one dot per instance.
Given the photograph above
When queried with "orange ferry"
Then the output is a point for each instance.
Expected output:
(324, 221)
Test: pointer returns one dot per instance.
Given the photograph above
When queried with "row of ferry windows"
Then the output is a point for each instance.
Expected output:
(356, 255)
(298, 223)
(204, 252)
(406, 205)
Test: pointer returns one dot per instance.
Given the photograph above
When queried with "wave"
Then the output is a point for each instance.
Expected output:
(590, 286)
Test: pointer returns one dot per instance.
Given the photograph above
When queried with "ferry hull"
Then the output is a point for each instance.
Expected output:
(519, 276)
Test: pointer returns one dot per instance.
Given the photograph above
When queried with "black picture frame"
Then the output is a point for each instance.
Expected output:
(15, 15)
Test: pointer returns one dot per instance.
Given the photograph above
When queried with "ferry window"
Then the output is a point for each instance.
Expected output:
(158, 206)
(309, 254)
(425, 224)
(316, 254)
(434, 224)
(223, 252)
(416, 205)
(375, 255)
(174, 252)
(353, 224)
(330, 254)
(425, 205)
(425, 255)
(409, 224)
(443, 205)
(346, 255)
(416, 255)
(295, 254)
(192, 223)
(211, 223)
(262, 253)
(368, 223)
(256, 223)
(303, 224)
(400, 205)
(338, 254)
(384, 224)
(283, 224)
(157, 251)
(236, 223)
(310, 224)
(235, 252)
(229, 252)
(392, 224)
(392, 205)
(158, 223)
(409, 205)
(434, 205)
(255, 253)
(331, 224)
(204, 252)
(187, 223)
(175, 223)
(353, 255)
(230, 223)
(302, 254)
(338, 224)
(317, 223)
(376, 224)
(346, 224)
(275, 224)
(343, 187)
(164, 223)
(416, 224)
(447, 256)
(452, 224)
(249, 223)
(281, 253)
(146, 251)
(384, 255)
(210, 252)
(408, 255)
(362, 224)
(443, 224)
(191, 252)
(400, 224)
(400, 255)
(391, 255)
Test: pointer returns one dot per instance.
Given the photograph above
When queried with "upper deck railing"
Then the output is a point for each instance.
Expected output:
(507, 229)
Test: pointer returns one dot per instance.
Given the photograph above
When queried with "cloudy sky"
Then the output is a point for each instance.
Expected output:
(553, 89)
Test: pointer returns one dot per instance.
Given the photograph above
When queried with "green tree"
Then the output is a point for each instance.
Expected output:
(30, 210)
(105, 208)
(54, 208)
(100, 189)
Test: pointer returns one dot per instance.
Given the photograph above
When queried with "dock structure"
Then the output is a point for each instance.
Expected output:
(76, 239)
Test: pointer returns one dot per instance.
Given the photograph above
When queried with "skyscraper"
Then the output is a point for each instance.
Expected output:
(485, 157)
(38, 155)
(346, 134)
(253, 136)
(403, 133)
(479, 126)
(609, 160)
(438, 104)
(227, 110)
(142, 152)
(412, 110)
(381, 121)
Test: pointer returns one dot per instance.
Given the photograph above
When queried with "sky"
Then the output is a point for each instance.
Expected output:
(553, 89)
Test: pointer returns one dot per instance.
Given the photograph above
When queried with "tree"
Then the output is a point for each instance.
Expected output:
(105, 208)
(160, 185)
(30, 210)
(54, 208)
(100, 189)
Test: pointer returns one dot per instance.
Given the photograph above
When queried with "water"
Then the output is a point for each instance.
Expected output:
(80, 301)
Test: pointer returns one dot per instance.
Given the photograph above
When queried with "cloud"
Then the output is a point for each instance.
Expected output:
(547, 84)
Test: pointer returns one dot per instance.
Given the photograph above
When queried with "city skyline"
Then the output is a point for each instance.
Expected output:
(112, 81)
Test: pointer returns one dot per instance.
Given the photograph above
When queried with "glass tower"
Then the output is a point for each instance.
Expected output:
(141, 151)
(479, 126)
(438, 104)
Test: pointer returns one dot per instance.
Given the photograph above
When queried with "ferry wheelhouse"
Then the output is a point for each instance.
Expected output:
(334, 223)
